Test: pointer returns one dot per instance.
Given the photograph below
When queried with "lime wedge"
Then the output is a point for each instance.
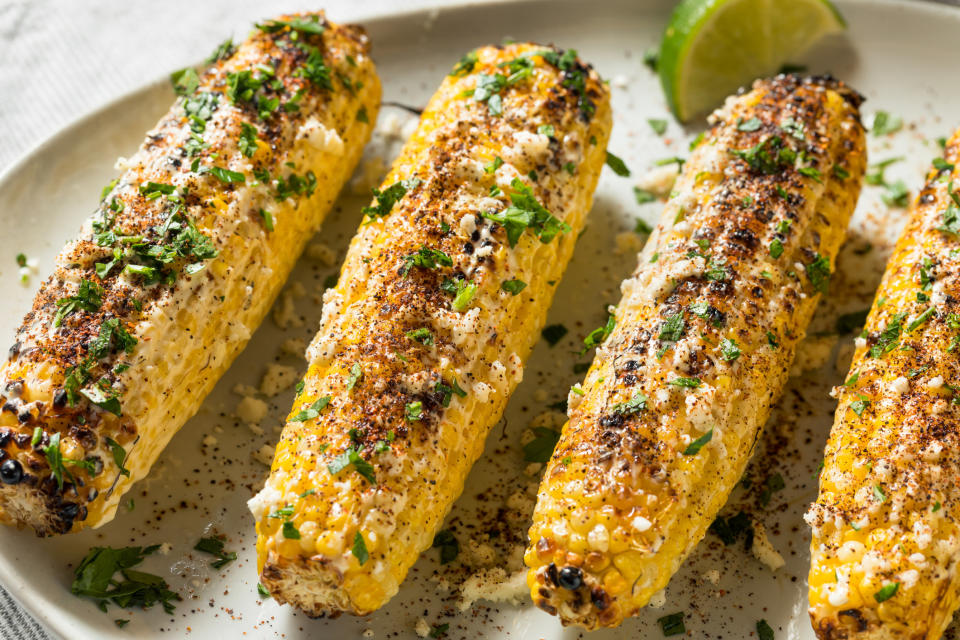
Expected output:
(713, 47)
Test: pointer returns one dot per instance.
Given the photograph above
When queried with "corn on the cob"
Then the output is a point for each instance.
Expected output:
(705, 334)
(885, 541)
(440, 300)
(166, 281)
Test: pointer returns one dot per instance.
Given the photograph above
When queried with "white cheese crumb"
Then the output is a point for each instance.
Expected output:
(368, 176)
(712, 576)
(244, 390)
(641, 524)
(259, 503)
(165, 548)
(284, 312)
(493, 585)
(935, 383)
(909, 578)
(264, 455)
(479, 554)
(900, 385)
(321, 138)
(860, 343)
(813, 353)
(620, 81)
(574, 398)
(277, 378)
(321, 253)
(839, 594)
(294, 347)
(209, 440)
(763, 549)
(251, 409)
(627, 243)
(422, 627)
(527, 146)
(658, 599)
(659, 180)
(368, 633)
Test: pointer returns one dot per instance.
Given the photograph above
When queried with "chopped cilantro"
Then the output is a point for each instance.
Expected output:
(425, 258)
(879, 494)
(355, 374)
(448, 545)
(184, 81)
(889, 337)
(214, 546)
(764, 631)
(730, 529)
(386, 199)
(886, 592)
(850, 322)
(421, 335)
(672, 328)
(413, 411)
(89, 297)
(513, 287)
(694, 447)
(596, 337)
(921, 319)
(659, 126)
(672, 625)
(618, 166)
(359, 549)
(94, 578)
(465, 65)
(312, 411)
(818, 272)
(554, 333)
(526, 212)
(541, 447)
(350, 457)
(729, 349)
(247, 142)
(634, 405)
(771, 485)
(884, 123)
(860, 404)
(643, 196)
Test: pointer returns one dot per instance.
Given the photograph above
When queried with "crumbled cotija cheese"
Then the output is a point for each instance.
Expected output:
(494, 585)
(251, 409)
(277, 378)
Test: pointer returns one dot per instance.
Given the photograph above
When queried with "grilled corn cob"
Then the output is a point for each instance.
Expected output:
(166, 281)
(885, 539)
(705, 334)
(440, 300)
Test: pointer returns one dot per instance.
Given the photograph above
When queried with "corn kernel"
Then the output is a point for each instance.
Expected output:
(596, 562)
(614, 583)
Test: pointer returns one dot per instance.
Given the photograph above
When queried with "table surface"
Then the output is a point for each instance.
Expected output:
(63, 59)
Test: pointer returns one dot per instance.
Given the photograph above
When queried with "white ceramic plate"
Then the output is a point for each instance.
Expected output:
(901, 56)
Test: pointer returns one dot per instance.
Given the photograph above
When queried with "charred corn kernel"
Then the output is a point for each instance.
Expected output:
(162, 288)
(421, 342)
(596, 562)
(705, 335)
(885, 520)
